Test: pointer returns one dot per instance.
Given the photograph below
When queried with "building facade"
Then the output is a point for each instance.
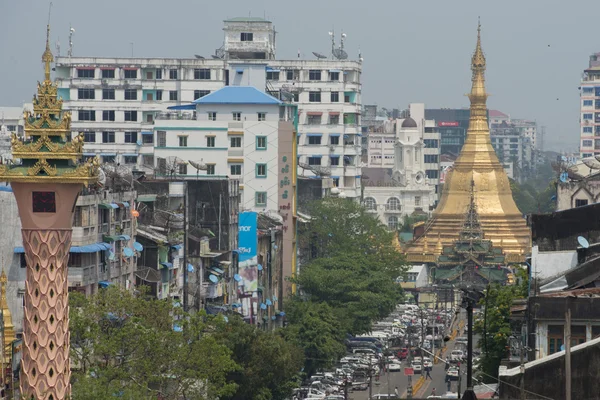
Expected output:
(589, 118)
(115, 101)
(514, 149)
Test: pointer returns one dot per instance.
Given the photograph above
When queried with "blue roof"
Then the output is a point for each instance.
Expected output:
(237, 95)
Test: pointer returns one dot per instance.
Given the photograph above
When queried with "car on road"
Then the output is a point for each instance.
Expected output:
(417, 360)
(385, 396)
(417, 367)
(360, 386)
(427, 362)
(462, 340)
(402, 353)
(394, 367)
(457, 355)
(452, 374)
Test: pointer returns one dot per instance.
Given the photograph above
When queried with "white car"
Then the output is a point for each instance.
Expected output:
(394, 367)
(457, 355)
(427, 362)
(417, 360)
(417, 367)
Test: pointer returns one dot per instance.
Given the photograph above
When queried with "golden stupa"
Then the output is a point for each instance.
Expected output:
(9, 329)
(501, 220)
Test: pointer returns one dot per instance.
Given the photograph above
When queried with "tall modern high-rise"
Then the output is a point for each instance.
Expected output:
(46, 177)
(589, 117)
(477, 176)
(116, 102)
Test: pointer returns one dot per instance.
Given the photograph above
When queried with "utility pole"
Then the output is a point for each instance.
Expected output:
(568, 352)
(185, 246)
(370, 379)
(522, 361)
(220, 197)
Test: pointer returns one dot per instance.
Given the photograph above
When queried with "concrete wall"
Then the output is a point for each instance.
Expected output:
(551, 263)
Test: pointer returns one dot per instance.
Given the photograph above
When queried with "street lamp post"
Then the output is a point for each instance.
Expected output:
(470, 298)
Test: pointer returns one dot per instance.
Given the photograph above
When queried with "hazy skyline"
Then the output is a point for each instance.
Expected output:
(413, 51)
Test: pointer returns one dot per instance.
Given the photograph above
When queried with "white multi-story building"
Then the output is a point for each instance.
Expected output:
(115, 101)
(590, 109)
(407, 187)
(236, 134)
(514, 150)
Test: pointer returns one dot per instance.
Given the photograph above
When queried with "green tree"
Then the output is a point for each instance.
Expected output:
(269, 365)
(129, 346)
(495, 329)
(314, 328)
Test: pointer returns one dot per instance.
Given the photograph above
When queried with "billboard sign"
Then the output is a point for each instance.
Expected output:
(447, 123)
(248, 243)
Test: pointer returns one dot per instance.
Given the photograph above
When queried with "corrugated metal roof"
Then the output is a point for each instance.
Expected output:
(237, 95)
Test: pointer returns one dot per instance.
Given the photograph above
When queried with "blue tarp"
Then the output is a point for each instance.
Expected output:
(104, 284)
(183, 107)
(5, 189)
(167, 264)
(138, 246)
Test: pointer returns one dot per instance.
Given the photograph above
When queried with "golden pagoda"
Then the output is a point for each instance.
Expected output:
(9, 328)
(477, 164)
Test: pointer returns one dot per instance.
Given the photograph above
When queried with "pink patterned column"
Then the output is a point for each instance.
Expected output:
(45, 365)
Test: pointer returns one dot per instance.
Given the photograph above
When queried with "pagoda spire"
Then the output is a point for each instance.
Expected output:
(478, 124)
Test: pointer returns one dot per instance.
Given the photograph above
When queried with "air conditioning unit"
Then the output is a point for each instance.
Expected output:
(331, 147)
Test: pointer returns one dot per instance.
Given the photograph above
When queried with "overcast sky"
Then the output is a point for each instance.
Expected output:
(414, 51)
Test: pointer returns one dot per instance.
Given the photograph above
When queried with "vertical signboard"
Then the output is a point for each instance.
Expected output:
(286, 197)
(248, 242)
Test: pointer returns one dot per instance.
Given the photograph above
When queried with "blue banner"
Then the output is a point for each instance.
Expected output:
(248, 243)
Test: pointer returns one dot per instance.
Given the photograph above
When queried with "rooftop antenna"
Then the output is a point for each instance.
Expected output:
(360, 57)
(298, 53)
(332, 34)
(340, 53)
(71, 32)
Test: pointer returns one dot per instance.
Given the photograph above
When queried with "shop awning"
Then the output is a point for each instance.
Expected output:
(146, 198)
(138, 246)
(314, 134)
(147, 133)
(167, 264)
(123, 204)
(314, 113)
(109, 206)
(334, 113)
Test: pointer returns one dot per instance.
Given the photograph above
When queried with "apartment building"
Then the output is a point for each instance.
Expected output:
(116, 101)
(513, 149)
(590, 108)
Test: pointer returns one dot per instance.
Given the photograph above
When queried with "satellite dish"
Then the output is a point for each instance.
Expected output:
(237, 278)
(583, 242)
(200, 166)
(198, 57)
(263, 306)
(340, 54)
(216, 57)
(319, 55)
(260, 267)
(213, 279)
(564, 177)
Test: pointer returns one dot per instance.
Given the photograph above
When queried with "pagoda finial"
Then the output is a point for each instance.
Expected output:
(3, 282)
(47, 57)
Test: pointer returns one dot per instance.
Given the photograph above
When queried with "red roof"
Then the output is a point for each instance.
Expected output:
(497, 114)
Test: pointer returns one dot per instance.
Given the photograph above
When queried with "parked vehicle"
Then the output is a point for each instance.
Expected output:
(417, 367)
(427, 362)
(394, 367)
(402, 353)
(452, 374)
(457, 355)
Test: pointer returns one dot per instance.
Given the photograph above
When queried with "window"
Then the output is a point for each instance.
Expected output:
(108, 137)
(370, 204)
(87, 73)
(148, 139)
(212, 116)
(130, 159)
(200, 93)
(108, 159)
(182, 169)
(314, 139)
(588, 103)
(334, 76)
(235, 141)
(202, 73)
(334, 119)
(87, 115)
(555, 338)
(431, 143)
(334, 160)
(172, 74)
(173, 95)
(108, 94)
(210, 141)
(393, 223)
(314, 160)
(237, 116)
(246, 36)
(261, 170)
(314, 75)
(292, 74)
(130, 73)
(431, 158)
(581, 202)
(182, 141)
(514, 140)
(260, 198)
(235, 169)
(432, 173)
(261, 143)
(131, 137)
(335, 97)
(86, 94)
(149, 75)
(272, 75)
(315, 97)
(313, 119)
(417, 201)
(588, 129)
(262, 116)
(587, 143)
(161, 139)
(588, 90)
(159, 74)
(159, 95)
(89, 137)
(148, 159)
(108, 115)
(130, 94)
(130, 115)
(393, 204)
(210, 169)
(335, 140)
(588, 116)
(108, 74)
(44, 202)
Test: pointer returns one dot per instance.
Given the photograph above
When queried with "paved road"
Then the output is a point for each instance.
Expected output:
(397, 379)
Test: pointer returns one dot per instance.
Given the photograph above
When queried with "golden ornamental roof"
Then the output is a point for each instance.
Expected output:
(46, 152)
